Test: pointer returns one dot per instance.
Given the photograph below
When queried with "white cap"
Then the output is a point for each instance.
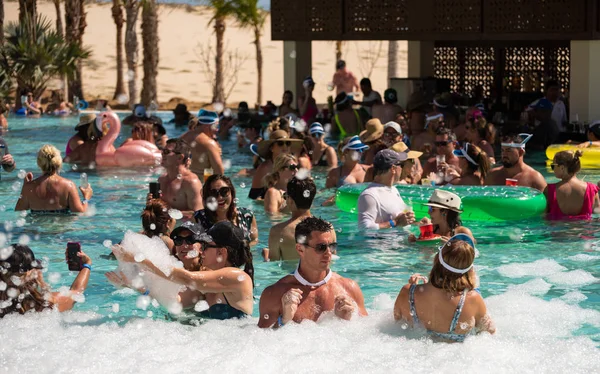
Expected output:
(393, 125)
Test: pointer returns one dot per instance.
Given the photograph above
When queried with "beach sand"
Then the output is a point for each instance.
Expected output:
(183, 30)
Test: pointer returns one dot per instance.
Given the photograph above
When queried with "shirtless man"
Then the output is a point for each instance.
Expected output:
(347, 120)
(387, 111)
(313, 288)
(282, 238)
(343, 79)
(513, 166)
(181, 189)
(445, 143)
(424, 140)
(206, 152)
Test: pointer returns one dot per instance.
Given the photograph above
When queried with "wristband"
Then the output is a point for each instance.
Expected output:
(392, 223)
(147, 292)
(280, 321)
(87, 266)
(85, 201)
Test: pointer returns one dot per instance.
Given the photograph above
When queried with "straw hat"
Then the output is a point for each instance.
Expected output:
(85, 119)
(263, 146)
(374, 131)
(445, 200)
(400, 147)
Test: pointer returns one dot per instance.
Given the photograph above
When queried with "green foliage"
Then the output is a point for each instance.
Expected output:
(249, 15)
(34, 53)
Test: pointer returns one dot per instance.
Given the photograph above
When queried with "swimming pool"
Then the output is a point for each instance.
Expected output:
(540, 281)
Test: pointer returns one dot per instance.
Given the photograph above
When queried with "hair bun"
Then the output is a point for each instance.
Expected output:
(578, 154)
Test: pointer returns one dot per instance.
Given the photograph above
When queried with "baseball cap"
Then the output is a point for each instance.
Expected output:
(390, 95)
(387, 158)
(394, 125)
(196, 230)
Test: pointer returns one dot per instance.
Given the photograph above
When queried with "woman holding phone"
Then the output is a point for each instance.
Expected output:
(22, 274)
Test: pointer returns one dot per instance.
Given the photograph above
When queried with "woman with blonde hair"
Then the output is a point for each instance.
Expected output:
(474, 164)
(450, 306)
(481, 133)
(285, 167)
(51, 193)
(571, 198)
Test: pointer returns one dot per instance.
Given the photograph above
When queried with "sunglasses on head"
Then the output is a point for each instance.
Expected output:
(223, 191)
(282, 143)
(322, 247)
(442, 143)
(180, 240)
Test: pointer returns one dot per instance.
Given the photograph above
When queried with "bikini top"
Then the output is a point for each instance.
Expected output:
(222, 311)
(450, 335)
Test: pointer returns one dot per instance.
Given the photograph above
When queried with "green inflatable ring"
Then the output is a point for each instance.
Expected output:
(480, 203)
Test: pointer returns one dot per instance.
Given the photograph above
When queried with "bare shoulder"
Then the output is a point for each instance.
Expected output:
(277, 289)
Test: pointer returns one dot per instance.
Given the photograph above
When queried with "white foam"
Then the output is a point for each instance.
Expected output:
(573, 297)
(534, 336)
(572, 278)
(582, 257)
(533, 287)
(539, 268)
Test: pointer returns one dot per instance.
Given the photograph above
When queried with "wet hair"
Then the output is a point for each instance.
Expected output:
(231, 212)
(446, 131)
(49, 159)
(280, 162)
(458, 254)
(241, 256)
(143, 131)
(307, 226)
(32, 294)
(155, 213)
(485, 130)
(296, 189)
(181, 147)
(365, 82)
(570, 160)
(481, 158)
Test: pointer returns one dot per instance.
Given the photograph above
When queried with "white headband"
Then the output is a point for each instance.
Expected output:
(353, 143)
(463, 237)
(466, 155)
(519, 145)
(432, 118)
(438, 104)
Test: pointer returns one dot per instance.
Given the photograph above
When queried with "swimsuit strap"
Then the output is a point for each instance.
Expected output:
(411, 303)
(358, 121)
(458, 311)
(339, 125)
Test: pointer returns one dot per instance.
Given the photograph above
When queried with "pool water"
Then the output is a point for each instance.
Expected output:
(540, 281)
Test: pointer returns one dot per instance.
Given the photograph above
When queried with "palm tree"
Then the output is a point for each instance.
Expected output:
(75, 26)
(393, 46)
(34, 61)
(59, 26)
(132, 9)
(250, 16)
(27, 10)
(1, 22)
(117, 14)
(221, 10)
(150, 43)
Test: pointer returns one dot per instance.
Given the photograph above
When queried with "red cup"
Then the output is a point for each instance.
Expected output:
(426, 231)
(512, 182)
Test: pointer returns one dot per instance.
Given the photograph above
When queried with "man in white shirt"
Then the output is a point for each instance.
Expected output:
(370, 97)
(559, 111)
(380, 205)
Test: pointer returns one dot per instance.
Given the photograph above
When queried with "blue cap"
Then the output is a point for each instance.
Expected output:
(207, 117)
(543, 103)
(316, 128)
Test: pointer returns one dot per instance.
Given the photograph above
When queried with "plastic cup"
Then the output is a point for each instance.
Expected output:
(425, 181)
(207, 173)
(426, 230)
(512, 182)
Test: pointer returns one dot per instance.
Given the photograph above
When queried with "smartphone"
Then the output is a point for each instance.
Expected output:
(83, 180)
(74, 261)
(23, 99)
(155, 190)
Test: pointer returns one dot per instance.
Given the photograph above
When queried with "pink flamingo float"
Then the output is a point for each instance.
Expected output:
(131, 154)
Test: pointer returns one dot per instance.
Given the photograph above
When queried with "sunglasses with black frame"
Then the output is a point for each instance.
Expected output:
(223, 192)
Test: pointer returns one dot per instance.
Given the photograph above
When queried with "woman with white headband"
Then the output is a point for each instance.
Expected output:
(449, 305)
(474, 164)
(323, 154)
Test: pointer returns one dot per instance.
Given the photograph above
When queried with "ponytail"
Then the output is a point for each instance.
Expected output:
(242, 257)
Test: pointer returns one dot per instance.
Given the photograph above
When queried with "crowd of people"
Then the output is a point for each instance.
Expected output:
(380, 143)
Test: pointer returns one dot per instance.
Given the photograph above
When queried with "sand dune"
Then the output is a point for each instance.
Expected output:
(183, 30)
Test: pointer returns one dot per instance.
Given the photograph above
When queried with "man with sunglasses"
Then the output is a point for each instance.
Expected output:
(181, 188)
(206, 152)
(282, 240)
(380, 205)
(313, 288)
(445, 144)
(514, 167)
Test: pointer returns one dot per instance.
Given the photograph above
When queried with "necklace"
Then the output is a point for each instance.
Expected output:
(304, 282)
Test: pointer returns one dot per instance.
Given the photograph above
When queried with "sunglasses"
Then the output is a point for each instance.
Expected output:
(442, 144)
(552, 166)
(292, 167)
(282, 143)
(322, 247)
(223, 191)
(316, 135)
(206, 246)
(180, 240)
(167, 152)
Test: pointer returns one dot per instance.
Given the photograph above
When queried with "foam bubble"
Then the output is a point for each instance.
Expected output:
(242, 185)
(533, 287)
(22, 174)
(54, 277)
(573, 297)
(583, 257)
(226, 164)
(142, 302)
(24, 239)
(115, 308)
(122, 99)
(6, 252)
(572, 278)
(293, 54)
(175, 214)
(539, 268)
(201, 306)
(302, 174)
(218, 107)
(107, 243)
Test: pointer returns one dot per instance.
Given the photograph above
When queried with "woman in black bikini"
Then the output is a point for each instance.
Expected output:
(323, 154)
